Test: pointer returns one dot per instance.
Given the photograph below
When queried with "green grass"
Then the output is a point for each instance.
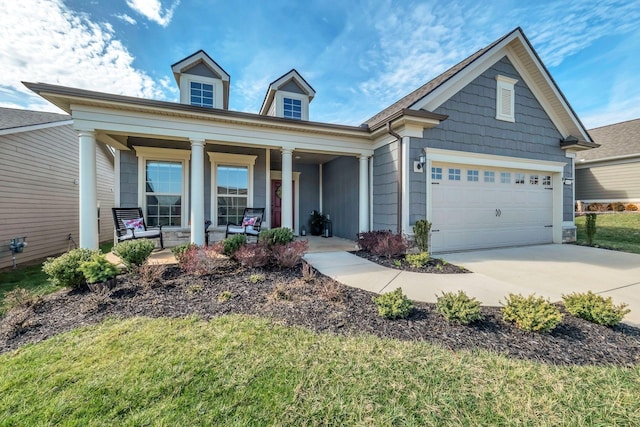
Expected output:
(616, 231)
(32, 278)
(240, 371)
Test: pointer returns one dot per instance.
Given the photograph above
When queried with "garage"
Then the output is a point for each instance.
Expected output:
(474, 207)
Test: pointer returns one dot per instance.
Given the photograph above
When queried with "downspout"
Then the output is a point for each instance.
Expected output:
(399, 139)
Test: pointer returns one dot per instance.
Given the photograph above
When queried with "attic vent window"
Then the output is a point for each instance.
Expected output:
(201, 94)
(292, 108)
(505, 98)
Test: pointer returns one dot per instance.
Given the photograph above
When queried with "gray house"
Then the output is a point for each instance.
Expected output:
(610, 172)
(484, 151)
(39, 184)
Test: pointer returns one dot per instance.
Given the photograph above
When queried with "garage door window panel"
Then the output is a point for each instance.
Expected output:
(454, 174)
(472, 175)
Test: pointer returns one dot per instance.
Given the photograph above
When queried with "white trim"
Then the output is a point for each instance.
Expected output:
(185, 89)
(216, 159)
(505, 85)
(197, 186)
(296, 192)
(167, 154)
(267, 197)
(370, 192)
(304, 102)
(116, 179)
(320, 187)
(609, 161)
(627, 200)
(405, 184)
(89, 233)
(30, 128)
(184, 65)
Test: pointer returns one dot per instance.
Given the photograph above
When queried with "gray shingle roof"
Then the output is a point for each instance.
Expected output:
(11, 118)
(619, 139)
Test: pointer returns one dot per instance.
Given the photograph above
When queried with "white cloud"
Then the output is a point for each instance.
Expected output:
(126, 18)
(42, 41)
(153, 10)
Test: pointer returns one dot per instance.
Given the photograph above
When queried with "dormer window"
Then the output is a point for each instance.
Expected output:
(292, 108)
(202, 94)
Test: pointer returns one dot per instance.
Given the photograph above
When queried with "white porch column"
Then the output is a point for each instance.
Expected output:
(363, 205)
(287, 189)
(197, 191)
(89, 238)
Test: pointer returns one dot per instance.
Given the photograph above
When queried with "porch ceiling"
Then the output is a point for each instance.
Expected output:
(301, 157)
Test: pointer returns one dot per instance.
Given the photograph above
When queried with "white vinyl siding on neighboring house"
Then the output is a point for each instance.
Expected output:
(613, 182)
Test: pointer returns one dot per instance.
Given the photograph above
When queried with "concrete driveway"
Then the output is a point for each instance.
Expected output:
(553, 270)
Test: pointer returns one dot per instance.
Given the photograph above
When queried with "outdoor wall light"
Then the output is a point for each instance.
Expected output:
(16, 246)
(421, 161)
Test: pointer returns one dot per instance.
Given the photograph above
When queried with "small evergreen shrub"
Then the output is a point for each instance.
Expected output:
(458, 308)
(394, 305)
(98, 269)
(590, 225)
(276, 236)
(253, 255)
(595, 308)
(231, 245)
(631, 207)
(531, 313)
(289, 255)
(63, 270)
(421, 232)
(369, 239)
(417, 260)
(134, 253)
(390, 246)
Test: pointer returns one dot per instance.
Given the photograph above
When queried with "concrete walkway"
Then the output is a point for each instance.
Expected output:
(546, 270)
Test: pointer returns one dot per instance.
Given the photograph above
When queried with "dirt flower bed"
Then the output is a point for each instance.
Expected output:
(434, 265)
(319, 304)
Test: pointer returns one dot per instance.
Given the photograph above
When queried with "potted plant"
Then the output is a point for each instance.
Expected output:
(317, 223)
(99, 273)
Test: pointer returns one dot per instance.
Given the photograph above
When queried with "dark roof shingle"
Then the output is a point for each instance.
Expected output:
(619, 139)
(11, 118)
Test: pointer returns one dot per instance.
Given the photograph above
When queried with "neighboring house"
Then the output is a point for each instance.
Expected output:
(610, 172)
(39, 184)
(481, 151)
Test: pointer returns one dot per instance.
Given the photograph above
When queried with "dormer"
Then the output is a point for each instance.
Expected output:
(289, 97)
(202, 81)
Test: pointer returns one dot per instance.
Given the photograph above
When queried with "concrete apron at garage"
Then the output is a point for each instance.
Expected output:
(546, 270)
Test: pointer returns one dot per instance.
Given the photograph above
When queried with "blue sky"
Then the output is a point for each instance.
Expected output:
(359, 56)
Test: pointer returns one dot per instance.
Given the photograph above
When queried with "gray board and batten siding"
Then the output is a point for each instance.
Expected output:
(340, 188)
(385, 188)
(471, 126)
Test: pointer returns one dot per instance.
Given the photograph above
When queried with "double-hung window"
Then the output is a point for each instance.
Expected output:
(232, 186)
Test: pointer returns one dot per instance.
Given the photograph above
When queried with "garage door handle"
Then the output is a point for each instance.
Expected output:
(548, 226)
(435, 231)
(498, 212)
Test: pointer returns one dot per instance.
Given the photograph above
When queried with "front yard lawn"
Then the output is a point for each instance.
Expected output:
(620, 231)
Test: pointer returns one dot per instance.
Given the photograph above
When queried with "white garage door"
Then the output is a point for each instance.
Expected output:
(475, 207)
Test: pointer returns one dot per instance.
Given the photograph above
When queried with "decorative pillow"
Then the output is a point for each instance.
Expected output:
(250, 220)
(135, 224)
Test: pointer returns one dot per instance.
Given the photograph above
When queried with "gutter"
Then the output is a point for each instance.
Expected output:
(399, 201)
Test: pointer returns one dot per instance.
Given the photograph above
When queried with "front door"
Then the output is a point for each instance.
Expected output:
(276, 203)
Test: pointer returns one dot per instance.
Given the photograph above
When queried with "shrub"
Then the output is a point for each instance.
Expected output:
(417, 260)
(253, 255)
(63, 270)
(231, 245)
(390, 245)
(308, 273)
(594, 207)
(616, 206)
(531, 313)
(290, 254)
(421, 232)
(331, 291)
(98, 269)
(178, 251)
(631, 207)
(255, 278)
(150, 274)
(276, 236)
(224, 296)
(458, 308)
(18, 297)
(590, 224)
(134, 252)
(394, 305)
(200, 261)
(595, 308)
(369, 239)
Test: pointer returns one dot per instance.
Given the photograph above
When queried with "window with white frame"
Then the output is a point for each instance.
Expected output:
(232, 184)
(436, 174)
(546, 180)
(505, 98)
(533, 179)
(201, 94)
(519, 178)
(292, 108)
(489, 176)
(472, 175)
(454, 174)
(163, 185)
(505, 177)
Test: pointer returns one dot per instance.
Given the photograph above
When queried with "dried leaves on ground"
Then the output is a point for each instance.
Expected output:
(315, 302)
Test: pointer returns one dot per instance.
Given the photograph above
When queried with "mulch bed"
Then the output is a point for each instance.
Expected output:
(322, 305)
(434, 265)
